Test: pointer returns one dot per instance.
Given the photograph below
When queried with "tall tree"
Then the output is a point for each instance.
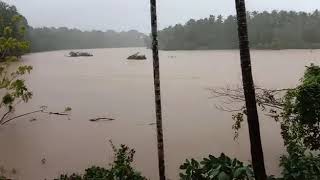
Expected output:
(249, 92)
(156, 76)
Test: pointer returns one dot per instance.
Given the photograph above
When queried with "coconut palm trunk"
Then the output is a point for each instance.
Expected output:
(249, 92)
(157, 93)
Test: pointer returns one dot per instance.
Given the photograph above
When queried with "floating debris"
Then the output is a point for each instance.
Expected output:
(43, 161)
(100, 119)
(78, 54)
(136, 56)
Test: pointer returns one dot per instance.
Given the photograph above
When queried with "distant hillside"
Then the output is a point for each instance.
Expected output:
(267, 30)
(47, 39)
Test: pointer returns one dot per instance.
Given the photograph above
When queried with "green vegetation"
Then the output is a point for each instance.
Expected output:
(49, 39)
(12, 33)
(120, 169)
(12, 46)
(300, 163)
(298, 113)
(301, 113)
(300, 125)
(14, 89)
(267, 30)
(221, 168)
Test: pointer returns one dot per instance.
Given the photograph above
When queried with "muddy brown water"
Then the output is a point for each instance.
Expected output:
(107, 85)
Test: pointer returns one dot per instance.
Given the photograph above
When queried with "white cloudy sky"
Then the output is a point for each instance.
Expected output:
(134, 14)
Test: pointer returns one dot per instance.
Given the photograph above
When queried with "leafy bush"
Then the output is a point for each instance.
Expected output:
(71, 177)
(298, 113)
(301, 116)
(300, 165)
(221, 168)
(120, 169)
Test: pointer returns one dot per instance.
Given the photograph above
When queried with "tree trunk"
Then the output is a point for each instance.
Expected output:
(249, 92)
(156, 76)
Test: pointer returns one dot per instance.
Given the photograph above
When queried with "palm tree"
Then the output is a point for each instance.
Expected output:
(249, 92)
(156, 76)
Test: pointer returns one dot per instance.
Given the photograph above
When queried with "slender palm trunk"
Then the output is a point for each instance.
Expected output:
(156, 76)
(249, 92)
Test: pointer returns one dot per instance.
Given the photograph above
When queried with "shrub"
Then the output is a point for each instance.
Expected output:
(120, 169)
(300, 165)
(221, 168)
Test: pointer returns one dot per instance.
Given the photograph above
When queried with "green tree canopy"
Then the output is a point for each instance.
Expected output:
(267, 30)
(12, 46)
(12, 32)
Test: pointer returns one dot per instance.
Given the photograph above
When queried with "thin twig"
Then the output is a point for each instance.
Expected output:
(5, 114)
(5, 122)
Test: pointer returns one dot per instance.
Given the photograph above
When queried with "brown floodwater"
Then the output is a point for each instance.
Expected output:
(107, 85)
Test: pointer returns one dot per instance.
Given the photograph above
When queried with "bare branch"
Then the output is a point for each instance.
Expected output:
(33, 112)
(11, 119)
(5, 115)
(266, 98)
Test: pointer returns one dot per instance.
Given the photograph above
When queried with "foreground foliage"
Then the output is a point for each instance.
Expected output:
(300, 164)
(12, 46)
(14, 89)
(301, 114)
(297, 165)
(221, 168)
(297, 111)
(120, 169)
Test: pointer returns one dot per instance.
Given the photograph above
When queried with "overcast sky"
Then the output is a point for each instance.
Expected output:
(134, 14)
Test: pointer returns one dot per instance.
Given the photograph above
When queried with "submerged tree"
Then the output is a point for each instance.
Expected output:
(249, 93)
(157, 92)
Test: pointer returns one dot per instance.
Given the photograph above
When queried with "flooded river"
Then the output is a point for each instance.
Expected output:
(107, 85)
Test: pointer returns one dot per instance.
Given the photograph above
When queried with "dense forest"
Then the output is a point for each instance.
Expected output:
(47, 39)
(267, 30)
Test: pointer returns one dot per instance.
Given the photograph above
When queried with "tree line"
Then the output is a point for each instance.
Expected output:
(267, 30)
(51, 38)
(48, 39)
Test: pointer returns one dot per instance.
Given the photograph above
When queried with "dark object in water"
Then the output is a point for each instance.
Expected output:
(103, 118)
(78, 54)
(43, 161)
(136, 56)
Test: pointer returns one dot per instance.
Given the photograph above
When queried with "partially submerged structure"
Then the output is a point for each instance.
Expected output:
(136, 56)
(78, 54)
